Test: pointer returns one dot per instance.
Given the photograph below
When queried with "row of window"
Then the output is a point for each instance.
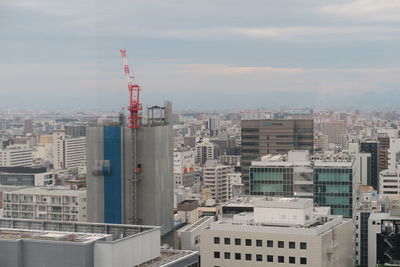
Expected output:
(259, 257)
(259, 243)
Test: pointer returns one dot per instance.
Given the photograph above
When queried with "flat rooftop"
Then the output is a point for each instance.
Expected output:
(56, 191)
(18, 234)
(116, 231)
(169, 256)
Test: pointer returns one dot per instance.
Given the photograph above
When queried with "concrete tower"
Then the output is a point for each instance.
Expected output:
(111, 196)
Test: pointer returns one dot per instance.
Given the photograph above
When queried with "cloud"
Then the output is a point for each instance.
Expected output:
(370, 10)
(209, 78)
(304, 34)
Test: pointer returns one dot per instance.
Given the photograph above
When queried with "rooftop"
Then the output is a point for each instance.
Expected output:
(17, 234)
(117, 231)
(52, 191)
(169, 256)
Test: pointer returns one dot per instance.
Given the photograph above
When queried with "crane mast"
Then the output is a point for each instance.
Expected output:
(134, 123)
(134, 93)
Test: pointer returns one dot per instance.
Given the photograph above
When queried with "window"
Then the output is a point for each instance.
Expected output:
(248, 257)
(237, 241)
(227, 255)
(259, 243)
(281, 259)
(258, 257)
(292, 260)
(248, 242)
(303, 245)
(227, 241)
(281, 244)
(238, 256)
(216, 240)
(270, 243)
(292, 245)
(216, 254)
(270, 258)
(303, 260)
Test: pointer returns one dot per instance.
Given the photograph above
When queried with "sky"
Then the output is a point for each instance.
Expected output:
(208, 54)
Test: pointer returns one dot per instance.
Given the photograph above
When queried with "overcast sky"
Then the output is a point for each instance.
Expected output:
(200, 54)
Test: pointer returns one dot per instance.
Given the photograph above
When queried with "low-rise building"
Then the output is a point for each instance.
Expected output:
(44, 203)
(280, 232)
(25, 176)
(30, 243)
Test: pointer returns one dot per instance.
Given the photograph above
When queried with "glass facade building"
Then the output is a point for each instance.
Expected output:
(271, 181)
(329, 183)
(333, 187)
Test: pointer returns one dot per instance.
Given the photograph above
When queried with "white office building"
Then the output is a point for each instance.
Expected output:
(280, 232)
(68, 152)
(45, 203)
(16, 156)
(184, 167)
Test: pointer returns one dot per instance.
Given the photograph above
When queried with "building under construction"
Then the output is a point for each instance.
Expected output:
(130, 165)
(113, 195)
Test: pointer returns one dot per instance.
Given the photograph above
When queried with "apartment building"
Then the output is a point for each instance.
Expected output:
(216, 177)
(68, 152)
(45, 203)
(14, 156)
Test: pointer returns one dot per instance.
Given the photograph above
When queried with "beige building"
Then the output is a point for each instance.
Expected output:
(45, 203)
(216, 178)
(280, 232)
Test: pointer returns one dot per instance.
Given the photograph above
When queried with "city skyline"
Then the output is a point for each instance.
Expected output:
(198, 54)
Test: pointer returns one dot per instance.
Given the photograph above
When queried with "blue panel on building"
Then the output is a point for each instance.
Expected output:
(113, 178)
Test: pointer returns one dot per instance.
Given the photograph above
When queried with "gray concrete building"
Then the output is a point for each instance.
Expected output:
(31, 243)
(113, 195)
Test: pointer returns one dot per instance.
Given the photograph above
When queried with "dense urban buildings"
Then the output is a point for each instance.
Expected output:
(262, 137)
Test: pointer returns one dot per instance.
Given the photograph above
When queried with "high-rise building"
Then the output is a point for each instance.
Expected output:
(334, 130)
(279, 232)
(372, 147)
(184, 167)
(328, 179)
(78, 130)
(28, 126)
(68, 152)
(213, 127)
(113, 196)
(14, 156)
(205, 150)
(368, 202)
(384, 136)
(384, 239)
(215, 177)
(262, 137)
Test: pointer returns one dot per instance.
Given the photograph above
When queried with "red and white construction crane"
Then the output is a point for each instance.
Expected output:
(134, 123)
(134, 93)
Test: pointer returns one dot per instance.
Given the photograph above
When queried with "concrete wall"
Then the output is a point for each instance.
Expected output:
(155, 194)
(94, 184)
(128, 252)
(34, 253)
